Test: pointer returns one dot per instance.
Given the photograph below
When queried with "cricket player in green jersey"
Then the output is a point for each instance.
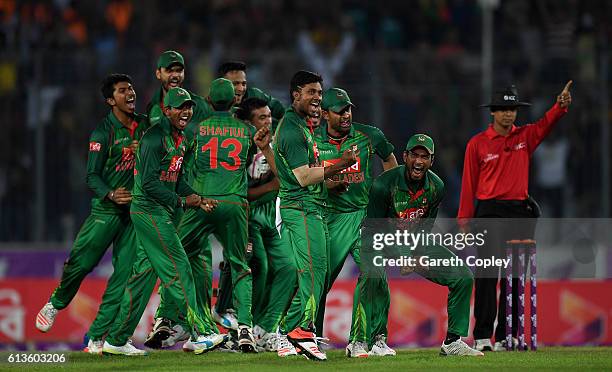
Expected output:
(219, 149)
(412, 193)
(235, 71)
(272, 263)
(110, 175)
(171, 73)
(301, 179)
(159, 189)
(348, 196)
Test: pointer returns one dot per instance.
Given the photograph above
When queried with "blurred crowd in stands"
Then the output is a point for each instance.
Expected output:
(410, 66)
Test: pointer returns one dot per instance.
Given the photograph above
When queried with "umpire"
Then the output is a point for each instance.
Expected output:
(495, 185)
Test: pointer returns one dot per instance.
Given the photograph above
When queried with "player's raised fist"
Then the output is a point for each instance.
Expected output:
(565, 98)
(263, 137)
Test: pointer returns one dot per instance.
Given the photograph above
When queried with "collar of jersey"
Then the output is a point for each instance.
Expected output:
(116, 123)
(491, 133)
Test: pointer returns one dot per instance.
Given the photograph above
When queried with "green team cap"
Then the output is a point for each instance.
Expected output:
(169, 58)
(176, 97)
(221, 90)
(336, 100)
(421, 140)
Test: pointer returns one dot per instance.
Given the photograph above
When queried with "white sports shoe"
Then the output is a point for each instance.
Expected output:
(94, 347)
(357, 349)
(483, 344)
(127, 349)
(177, 334)
(226, 320)
(285, 348)
(268, 341)
(380, 347)
(46, 317)
(207, 343)
(458, 347)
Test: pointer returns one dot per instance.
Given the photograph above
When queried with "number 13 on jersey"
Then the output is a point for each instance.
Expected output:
(235, 147)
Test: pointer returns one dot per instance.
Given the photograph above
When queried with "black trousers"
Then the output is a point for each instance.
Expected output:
(522, 226)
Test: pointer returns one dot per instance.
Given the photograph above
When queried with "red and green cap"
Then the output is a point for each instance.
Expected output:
(421, 140)
(169, 58)
(221, 90)
(336, 100)
(176, 97)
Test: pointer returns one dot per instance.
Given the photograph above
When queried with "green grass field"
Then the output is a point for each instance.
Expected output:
(551, 358)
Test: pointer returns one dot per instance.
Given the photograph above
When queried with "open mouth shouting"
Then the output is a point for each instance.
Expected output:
(173, 82)
(184, 119)
(417, 171)
(314, 107)
(130, 102)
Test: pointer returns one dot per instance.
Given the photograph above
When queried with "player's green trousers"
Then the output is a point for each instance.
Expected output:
(274, 268)
(304, 229)
(372, 296)
(228, 222)
(92, 241)
(160, 254)
(344, 239)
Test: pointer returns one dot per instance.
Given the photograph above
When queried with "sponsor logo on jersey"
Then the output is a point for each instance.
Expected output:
(490, 157)
(352, 174)
(355, 168)
(520, 146)
(95, 146)
(171, 175)
(128, 160)
(175, 164)
(412, 214)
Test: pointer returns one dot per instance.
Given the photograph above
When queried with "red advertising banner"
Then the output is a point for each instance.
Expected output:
(570, 313)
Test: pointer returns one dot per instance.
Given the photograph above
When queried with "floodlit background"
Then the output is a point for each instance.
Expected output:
(409, 66)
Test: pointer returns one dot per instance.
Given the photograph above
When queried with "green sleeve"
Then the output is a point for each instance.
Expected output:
(292, 145)
(151, 153)
(189, 157)
(276, 107)
(379, 199)
(96, 160)
(382, 147)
